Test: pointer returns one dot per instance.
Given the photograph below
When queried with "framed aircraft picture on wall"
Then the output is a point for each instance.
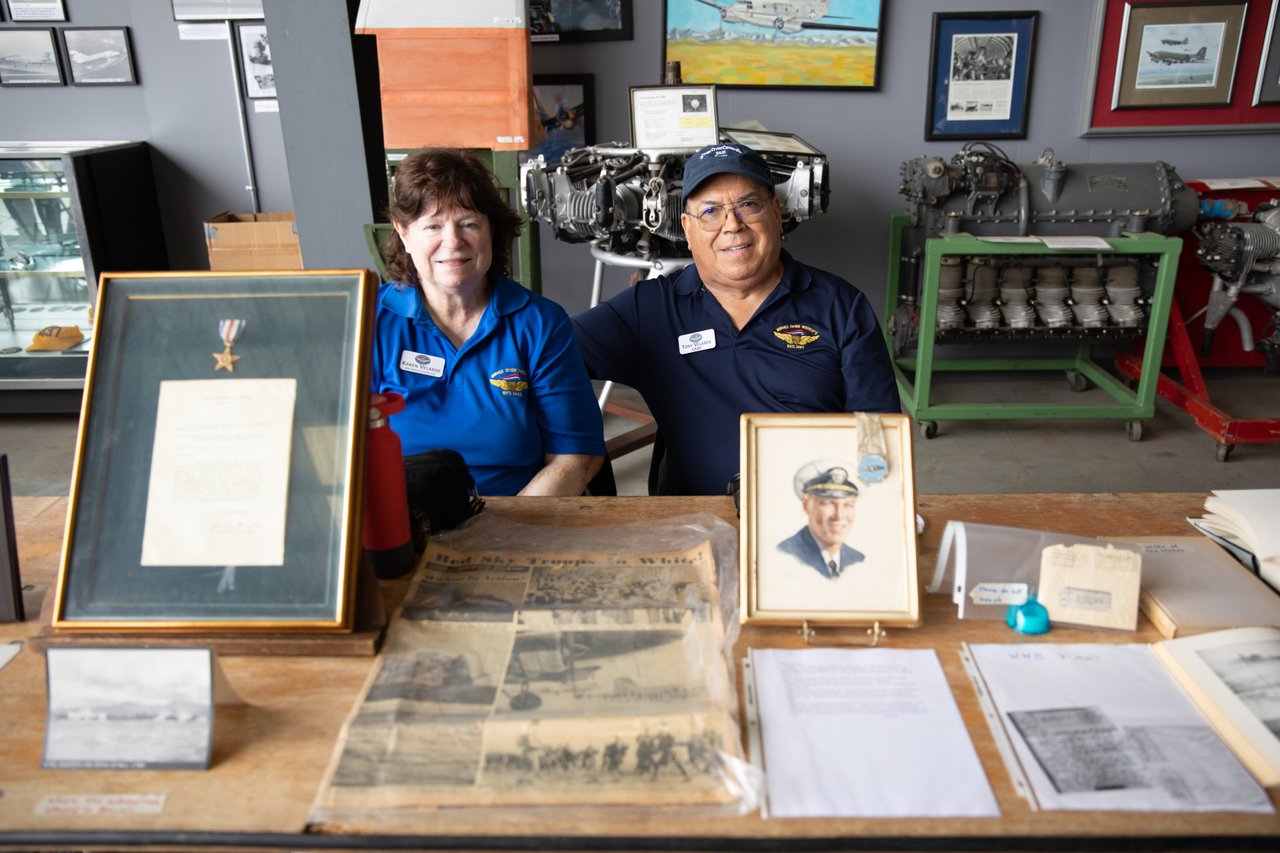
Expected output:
(811, 44)
(566, 109)
(1183, 54)
(29, 58)
(1159, 67)
(99, 56)
(980, 75)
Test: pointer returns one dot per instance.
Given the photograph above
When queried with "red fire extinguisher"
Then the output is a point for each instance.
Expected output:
(388, 540)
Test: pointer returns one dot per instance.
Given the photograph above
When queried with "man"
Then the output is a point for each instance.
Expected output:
(828, 499)
(745, 328)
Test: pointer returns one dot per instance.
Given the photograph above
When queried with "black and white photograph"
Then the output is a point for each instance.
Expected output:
(1252, 672)
(981, 75)
(37, 10)
(217, 10)
(129, 708)
(255, 59)
(99, 57)
(29, 58)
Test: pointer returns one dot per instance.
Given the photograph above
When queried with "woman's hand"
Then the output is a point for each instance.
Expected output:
(563, 474)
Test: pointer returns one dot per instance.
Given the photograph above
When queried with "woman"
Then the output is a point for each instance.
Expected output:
(486, 367)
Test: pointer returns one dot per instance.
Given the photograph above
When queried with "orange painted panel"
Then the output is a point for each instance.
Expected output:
(455, 87)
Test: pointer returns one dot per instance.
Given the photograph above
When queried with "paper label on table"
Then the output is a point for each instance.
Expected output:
(999, 593)
(94, 805)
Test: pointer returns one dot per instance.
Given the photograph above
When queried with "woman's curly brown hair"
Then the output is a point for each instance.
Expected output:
(431, 179)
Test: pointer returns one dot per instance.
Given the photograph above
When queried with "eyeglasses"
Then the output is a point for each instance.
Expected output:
(712, 216)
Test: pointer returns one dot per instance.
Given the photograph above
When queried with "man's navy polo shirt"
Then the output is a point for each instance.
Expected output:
(813, 346)
(514, 391)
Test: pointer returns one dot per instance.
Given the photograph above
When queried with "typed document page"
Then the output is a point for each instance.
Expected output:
(218, 490)
(865, 733)
(1104, 727)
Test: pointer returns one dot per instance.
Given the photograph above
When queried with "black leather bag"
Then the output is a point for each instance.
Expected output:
(442, 493)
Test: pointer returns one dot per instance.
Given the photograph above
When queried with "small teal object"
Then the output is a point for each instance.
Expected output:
(1029, 618)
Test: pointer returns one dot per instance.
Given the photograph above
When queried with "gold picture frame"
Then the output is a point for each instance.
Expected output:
(798, 472)
(218, 472)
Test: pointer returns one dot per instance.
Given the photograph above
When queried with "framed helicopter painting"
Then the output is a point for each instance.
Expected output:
(812, 44)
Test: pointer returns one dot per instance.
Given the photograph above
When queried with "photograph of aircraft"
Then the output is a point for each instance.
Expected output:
(784, 17)
(1175, 57)
(99, 55)
(1184, 55)
(90, 62)
(28, 58)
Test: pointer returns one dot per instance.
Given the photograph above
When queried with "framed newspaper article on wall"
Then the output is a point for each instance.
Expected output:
(828, 520)
(216, 484)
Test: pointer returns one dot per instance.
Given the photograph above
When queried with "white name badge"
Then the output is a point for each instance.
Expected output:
(417, 362)
(697, 341)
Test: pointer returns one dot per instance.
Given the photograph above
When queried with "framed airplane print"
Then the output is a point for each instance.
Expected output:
(216, 485)
(1160, 67)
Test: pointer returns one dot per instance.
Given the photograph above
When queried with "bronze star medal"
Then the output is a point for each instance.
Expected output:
(229, 331)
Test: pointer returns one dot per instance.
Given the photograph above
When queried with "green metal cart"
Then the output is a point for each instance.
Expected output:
(915, 373)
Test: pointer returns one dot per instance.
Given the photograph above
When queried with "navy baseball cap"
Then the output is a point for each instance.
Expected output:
(721, 158)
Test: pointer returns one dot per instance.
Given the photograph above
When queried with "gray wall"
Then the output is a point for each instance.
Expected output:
(186, 105)
(867, 135)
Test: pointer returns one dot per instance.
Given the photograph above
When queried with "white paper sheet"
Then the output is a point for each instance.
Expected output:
(865, 733)
(1105, 727)
(218, 492)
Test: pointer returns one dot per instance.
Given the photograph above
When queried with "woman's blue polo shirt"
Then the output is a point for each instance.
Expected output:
(515, 391)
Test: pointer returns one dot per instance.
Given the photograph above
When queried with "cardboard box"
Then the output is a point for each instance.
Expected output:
(253, 241)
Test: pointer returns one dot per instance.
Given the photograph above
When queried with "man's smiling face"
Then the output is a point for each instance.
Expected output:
(739, 255)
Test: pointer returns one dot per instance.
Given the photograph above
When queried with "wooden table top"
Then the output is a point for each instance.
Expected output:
(269, 754)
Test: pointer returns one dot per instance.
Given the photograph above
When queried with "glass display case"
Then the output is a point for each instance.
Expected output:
(67, 212)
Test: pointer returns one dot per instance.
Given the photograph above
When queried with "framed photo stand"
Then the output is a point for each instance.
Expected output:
(828, 531)
(218, 479)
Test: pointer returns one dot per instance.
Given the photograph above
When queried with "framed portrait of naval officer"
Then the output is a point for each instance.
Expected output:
(828, 520)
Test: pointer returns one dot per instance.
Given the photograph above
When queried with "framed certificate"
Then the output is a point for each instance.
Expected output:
(216, 482)
(828, 520)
